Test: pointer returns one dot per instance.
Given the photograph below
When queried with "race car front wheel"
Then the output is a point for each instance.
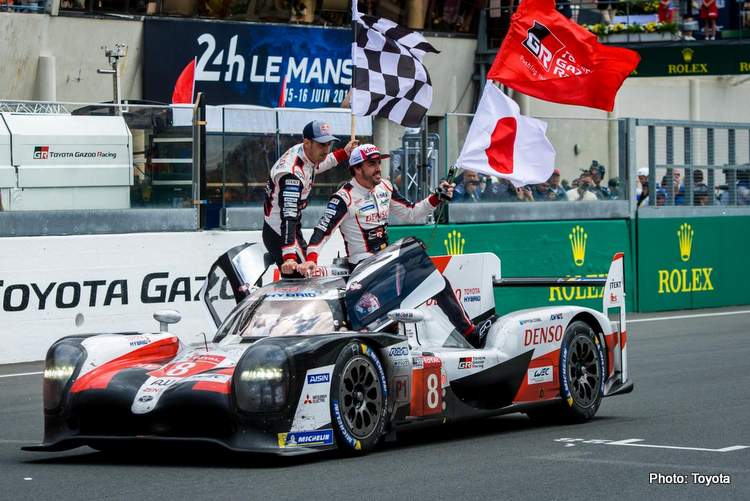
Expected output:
(359, 397)
(582, 372)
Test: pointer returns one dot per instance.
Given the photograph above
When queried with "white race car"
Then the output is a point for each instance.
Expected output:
(306, 365)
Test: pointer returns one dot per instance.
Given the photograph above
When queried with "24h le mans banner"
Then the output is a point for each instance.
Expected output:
(243, 63)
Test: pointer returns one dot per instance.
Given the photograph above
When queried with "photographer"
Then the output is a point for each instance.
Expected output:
(469, 188)
(583, 190)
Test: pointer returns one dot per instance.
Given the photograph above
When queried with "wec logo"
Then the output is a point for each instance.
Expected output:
(542, 44)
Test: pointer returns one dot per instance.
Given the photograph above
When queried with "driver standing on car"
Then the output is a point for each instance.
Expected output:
(361, 209)
(288, 187)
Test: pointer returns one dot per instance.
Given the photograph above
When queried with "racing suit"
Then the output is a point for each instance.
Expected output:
(362, 216)
(287, 190)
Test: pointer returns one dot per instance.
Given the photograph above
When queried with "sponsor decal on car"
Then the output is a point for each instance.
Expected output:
(353, 442)
(556, 316)
(471, 363)
(315, 399)
(398, 351)
(541, 375)
(529, 321)
(305, 438)
(541, 335)
(318, 378)
(138, 341)
(367, 304)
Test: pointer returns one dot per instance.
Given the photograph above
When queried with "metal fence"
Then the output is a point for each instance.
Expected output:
(187, 176)
(694, 163)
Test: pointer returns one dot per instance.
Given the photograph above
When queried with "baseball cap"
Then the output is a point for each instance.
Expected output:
(596, 166)
(365, 152)
(318, 131)
(643, 171)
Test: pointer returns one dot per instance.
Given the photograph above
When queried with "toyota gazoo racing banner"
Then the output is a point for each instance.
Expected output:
(242, 63)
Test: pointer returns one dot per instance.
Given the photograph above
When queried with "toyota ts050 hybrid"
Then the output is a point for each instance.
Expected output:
(306, 365)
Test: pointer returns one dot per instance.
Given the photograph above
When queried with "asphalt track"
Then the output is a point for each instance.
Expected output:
(692, 392)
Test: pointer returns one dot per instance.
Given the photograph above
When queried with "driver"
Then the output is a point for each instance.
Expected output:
(289, 185)
(361, 209)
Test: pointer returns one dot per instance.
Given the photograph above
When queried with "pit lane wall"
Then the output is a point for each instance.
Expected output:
(544, 248)
(52, 287)
(693, 262)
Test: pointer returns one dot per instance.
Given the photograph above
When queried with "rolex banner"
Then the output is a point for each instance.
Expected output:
(554, 248)
(686, 263)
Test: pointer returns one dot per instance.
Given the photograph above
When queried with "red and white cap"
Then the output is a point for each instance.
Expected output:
(365, 152)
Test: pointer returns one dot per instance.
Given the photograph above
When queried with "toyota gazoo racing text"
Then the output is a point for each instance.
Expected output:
(336, 361)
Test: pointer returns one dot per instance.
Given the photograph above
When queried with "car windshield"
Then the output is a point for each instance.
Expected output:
(279, 317)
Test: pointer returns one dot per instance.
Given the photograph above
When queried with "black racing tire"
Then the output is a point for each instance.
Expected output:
(359, 398)
(582, 372)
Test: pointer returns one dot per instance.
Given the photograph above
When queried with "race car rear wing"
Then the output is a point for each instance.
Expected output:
(613, 298)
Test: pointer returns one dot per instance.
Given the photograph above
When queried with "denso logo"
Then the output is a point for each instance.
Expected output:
(318, 378)
(398, 351)
(542, 335)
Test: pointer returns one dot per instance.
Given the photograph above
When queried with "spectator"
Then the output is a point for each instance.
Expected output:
(597, 174)
(614, 188)
(554, 186)
(642, 190)
(605, 6)
(524, 194)
(688, 12)
(745, 14)
(700, 189)
(709, 13)
(499, 190)
(743, 187)
(469, 188)
(541, 192)
(700, 195)
(665, 11)
(582, 192)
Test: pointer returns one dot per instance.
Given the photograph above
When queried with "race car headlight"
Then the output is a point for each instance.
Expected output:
(61, 364)
(261, 381)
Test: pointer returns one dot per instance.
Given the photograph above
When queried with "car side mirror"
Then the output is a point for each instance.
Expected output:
(166, 317)
(407, 315)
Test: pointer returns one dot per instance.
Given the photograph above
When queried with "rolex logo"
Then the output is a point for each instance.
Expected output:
(454, 244)
(687, 54)
(685, 237)
(578, 239)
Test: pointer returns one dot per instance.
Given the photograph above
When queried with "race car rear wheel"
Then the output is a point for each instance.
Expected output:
(582, 372)
(359, 397)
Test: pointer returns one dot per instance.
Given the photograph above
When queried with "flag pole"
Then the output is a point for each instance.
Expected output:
(354, 70)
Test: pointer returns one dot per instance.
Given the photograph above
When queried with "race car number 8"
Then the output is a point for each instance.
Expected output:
(180, 369)
(433, 392)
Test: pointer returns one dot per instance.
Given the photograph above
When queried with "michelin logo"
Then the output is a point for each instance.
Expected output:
(306, 438)
(318, 378)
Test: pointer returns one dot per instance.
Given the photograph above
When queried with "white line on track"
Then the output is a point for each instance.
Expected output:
(21, 374)
(16, 441)
(697, 315)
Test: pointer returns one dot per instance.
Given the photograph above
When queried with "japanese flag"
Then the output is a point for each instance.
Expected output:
(503, 143)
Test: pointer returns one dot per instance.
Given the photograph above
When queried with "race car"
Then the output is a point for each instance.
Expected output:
(337, 361)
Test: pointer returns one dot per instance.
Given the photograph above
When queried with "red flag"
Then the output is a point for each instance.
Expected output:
(185, 85)
(547, 56)
(282, 95)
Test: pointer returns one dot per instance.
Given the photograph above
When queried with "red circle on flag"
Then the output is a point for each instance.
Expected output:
(500, 152)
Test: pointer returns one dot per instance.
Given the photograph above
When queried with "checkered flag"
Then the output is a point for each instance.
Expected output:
(389, 78)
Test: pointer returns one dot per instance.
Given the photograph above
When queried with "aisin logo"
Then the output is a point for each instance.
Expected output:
(685, 238)
(578, 238)
(542, 43)
(454, 244)
(41, 152)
